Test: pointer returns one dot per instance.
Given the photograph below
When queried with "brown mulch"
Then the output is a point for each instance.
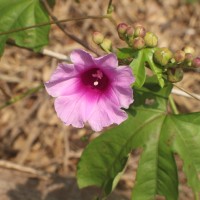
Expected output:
(31, 135)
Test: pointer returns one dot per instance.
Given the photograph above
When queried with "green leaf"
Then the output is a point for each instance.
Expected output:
(154, 67)
(22, 13)
(124, 53)
(138, 66)
(186, 132)
(156, 172)
(159, 135)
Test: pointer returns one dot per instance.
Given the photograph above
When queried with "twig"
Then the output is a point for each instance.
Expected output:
(53, 22)
(10, 165)
(53, 54)
(4, 91)
(182, 93)
(73, 37)
(21, 96)
(43, 51)
(191, 94)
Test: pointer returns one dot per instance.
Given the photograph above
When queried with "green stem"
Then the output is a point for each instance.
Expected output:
(21, 96)
(196, 195)
(54, 22)
(173, 105)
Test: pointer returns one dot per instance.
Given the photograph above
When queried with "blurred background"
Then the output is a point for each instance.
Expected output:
(38, 154)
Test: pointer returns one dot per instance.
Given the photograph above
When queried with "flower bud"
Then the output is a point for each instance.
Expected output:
(189, 49)
(151, 40)
(175, 74)
(188, 57)
(162, 56)
(196, 62)
(121, 29)
(106, 45)
(139, 31)
(138, 43)
(129, 31)
(179, 56)
(97, 37)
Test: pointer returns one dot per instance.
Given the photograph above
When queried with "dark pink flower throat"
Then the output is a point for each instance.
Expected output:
(95, 79)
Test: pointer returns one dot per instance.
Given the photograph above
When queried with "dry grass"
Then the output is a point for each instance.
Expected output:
(30, 132)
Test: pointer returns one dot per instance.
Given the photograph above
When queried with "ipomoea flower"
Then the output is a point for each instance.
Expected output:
(91, 90)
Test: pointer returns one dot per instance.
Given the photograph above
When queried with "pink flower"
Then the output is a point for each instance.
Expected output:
(91, 90)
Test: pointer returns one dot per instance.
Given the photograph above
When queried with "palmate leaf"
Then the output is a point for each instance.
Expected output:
(140, 58)
(159, 135)
(22, 13)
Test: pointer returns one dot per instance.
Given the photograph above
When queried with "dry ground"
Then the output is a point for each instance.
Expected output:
(31, 135)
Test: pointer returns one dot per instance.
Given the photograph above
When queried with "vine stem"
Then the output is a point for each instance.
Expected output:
(196, 194)
(54, 22)
(67, 33)
(21, 96)
(173, 105)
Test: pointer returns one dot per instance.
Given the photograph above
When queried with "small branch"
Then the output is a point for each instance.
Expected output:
(182, 93)
(173, 105)
(53, 22)
(13, 166)
(4, 91)
(62, 28)
(191, 94)
(43, 52)
(21, 96)
(56, 55)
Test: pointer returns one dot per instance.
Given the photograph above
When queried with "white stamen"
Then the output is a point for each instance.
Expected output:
(96, 83)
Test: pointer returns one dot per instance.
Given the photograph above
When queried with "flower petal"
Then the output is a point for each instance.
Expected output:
(75, 109)
(82, 59)
(124, 95)
(105, 113)
(63, 81)
(109, 60)
(124, 76)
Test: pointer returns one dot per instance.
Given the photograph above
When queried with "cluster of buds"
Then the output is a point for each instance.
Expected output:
(174, 63)
(105, 43)
(136, 37)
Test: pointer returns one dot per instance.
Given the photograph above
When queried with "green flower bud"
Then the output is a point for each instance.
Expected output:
(189, 49)
(138, 43)
(121, 29)
(196, 62)
(130, 31)
(179, 56)
(139, 31)
(151, 40)
(175, 74)
(130, 41)
(188, 57)
(97, 37)
(162, 56)
(106, 45)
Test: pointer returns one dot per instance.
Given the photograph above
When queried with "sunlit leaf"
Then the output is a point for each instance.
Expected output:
(138, 66)
(124, 53)
(154, 67)
(17, 14)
